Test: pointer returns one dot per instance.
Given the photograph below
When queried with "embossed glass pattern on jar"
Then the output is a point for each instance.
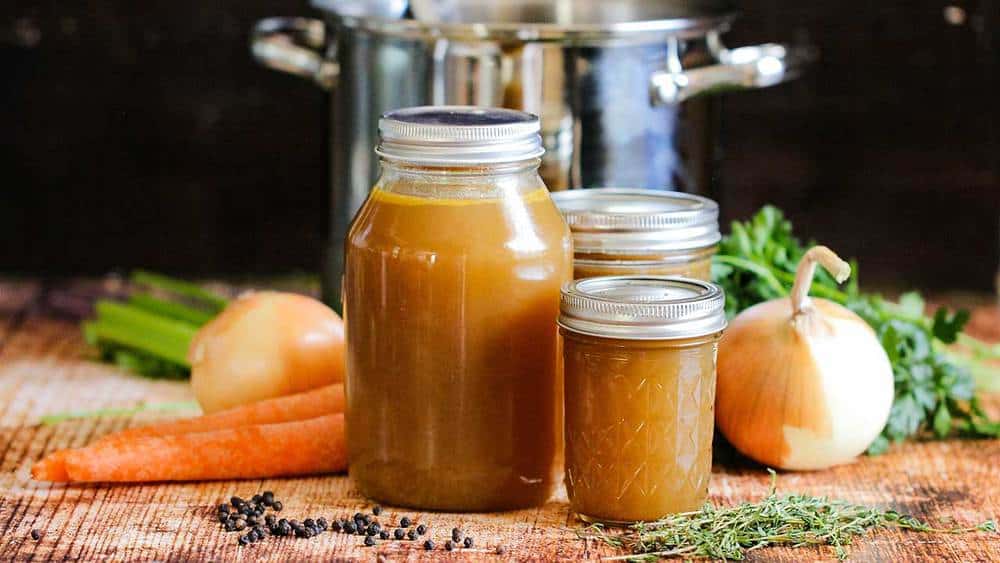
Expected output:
(640, 358)
(631, 232)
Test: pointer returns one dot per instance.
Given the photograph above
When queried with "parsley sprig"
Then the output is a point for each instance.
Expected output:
(934, 393)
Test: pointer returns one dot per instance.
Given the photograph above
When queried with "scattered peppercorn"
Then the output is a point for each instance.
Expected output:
(224, 508)
(335, 526)
(375, 526)
(369, 541)
(239, 524)
(350, 527)
(411, 535)
(421, 529)
(468, 542)
(267, 498)
(36, 535)
(399, 533)
(277, 506)
(404, 522)
(384, 534)
(429, 545)
(456, 535)
(243, 540)
(449, 545)
(309, 523)
(223, 517)
(270, 519)
(236, 501)
(377, 510)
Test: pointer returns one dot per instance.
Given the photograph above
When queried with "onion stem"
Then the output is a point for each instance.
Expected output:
(832, 263)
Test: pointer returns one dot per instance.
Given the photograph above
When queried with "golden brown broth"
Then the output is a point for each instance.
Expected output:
(639, 423)
(696, 265)
(454, 387)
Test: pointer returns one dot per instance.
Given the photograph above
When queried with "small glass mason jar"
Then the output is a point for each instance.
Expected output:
(631, 232)
(639, 359)
(451, 293)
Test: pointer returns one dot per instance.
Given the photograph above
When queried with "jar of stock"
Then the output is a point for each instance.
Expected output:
(623, 231)
(640, 356)
(452, 280)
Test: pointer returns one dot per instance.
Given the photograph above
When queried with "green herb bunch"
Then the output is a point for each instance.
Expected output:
(789, 520)
(934, 392)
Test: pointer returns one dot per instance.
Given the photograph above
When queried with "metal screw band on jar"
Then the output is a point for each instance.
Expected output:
(626, 221)
(642, 307)
(459, 135)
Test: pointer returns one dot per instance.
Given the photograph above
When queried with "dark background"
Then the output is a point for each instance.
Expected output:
(142, 134)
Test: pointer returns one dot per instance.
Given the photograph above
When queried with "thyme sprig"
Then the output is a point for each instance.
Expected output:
(791, 520)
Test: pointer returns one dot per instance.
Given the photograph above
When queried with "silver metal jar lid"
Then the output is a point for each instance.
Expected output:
(459, 135)
(643, 307)
(636, 221)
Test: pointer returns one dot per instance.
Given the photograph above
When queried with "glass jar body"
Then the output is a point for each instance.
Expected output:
(639, 425)
(695, 263)
(451, 291)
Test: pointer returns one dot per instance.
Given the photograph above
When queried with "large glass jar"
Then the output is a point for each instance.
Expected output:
(631, 232)
(640, 357)
(451, 289)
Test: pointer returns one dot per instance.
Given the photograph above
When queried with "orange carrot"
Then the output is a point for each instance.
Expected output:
(299, 447)
(51, 468)
(300, 406)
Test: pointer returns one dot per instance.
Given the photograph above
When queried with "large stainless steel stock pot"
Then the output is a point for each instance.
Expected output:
(620, 85)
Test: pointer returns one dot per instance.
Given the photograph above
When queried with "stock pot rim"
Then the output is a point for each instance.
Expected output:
(651, 30)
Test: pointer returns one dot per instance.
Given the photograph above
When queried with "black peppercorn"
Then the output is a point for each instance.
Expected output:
(322, 524)
(236, 502)
(286, 528)
(377, 510)
(449, 545)
(358, 516)
(224, 508)
(300, 532)
(243, 540)
(277, 506)
(256, 499)
(421, 529)
(36, 535)
(295, 523)
(239, 524)
(456, 535)
(384, 534)
(253, 519)
(335, 526)
(270, 519)
(309, 523)
(267, 498)
(369, 541)
(367, 518)
(411, 535)
(350, 527)
(399, 533)
(223, 517)
(429, 545)
(468, 542)
(404, 522)
(375, 526)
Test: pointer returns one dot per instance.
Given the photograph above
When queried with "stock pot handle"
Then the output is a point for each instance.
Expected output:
(742, 68)
(295, 46)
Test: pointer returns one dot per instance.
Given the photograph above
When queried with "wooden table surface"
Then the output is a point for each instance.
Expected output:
(43, 370)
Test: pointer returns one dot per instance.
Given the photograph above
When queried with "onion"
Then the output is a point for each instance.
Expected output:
(803, 383)
(263, 345)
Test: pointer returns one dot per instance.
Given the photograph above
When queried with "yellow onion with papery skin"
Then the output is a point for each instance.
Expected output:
(803, 383)
(266, 344)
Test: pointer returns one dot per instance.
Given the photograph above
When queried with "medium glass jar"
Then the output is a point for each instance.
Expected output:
(451, 290)
(631, 232)
(639, 356)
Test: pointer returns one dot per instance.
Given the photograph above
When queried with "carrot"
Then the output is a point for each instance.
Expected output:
(299, 447)
(300, 406)
(51, 468)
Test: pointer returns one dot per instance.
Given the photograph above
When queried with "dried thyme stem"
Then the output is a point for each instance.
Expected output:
(788, 520)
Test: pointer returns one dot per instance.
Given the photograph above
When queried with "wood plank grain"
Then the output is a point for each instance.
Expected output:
(43, 370)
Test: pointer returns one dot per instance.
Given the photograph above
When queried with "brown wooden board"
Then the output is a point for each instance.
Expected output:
(43, 370)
